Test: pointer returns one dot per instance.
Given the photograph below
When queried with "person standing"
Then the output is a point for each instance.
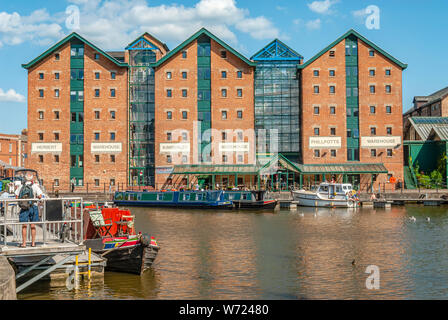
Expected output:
(73, 181)
(28, 209)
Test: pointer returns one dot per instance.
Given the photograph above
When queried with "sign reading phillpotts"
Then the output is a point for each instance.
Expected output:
(324, 142)
(380, 142)
(46, 147)
(164, 170)
(174, 147)
(105, 148)
(234, 147)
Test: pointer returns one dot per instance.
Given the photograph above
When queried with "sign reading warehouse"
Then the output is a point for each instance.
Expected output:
(46, 147)
(234, 147)
(380, 142)
(105, 148)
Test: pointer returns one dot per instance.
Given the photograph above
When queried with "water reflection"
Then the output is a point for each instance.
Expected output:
(306, 254)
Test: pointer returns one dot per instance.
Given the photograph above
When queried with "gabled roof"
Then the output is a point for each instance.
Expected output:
(142, 37)
(70, 37)
(424, 125)
(276, 50)
(359, 36)
(201, 32)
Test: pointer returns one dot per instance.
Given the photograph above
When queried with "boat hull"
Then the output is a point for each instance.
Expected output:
(173, 205)
(262, 204)
(313, 200)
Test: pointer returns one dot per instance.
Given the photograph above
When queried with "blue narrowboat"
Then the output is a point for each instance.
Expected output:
(179, 199)
(250, 199)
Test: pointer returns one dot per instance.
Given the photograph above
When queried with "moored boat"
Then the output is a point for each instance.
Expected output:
(243, 199)
(114, 238)
(327, 195)
(182, 199)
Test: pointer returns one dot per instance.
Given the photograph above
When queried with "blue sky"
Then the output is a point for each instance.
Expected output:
(414, 32)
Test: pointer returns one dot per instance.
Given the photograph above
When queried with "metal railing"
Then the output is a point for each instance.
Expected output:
(68, 228)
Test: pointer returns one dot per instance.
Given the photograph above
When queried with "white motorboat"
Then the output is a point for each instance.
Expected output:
(327, 194)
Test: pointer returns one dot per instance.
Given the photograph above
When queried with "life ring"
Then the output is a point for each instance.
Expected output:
(392, 179)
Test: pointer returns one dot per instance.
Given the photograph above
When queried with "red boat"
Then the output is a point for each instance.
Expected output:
(110, 232)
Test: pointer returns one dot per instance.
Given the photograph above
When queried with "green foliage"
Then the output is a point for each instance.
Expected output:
(436, 178)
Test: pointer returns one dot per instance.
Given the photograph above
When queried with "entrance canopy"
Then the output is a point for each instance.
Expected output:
(355, 168)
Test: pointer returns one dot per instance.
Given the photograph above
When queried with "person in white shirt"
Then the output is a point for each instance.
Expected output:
(32, 213)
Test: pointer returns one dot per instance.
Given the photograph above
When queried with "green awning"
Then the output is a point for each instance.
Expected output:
(355, 168)
(215, 169)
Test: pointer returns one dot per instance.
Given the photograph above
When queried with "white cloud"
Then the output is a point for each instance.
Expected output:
(11, 96)
(258, 28)
(322, 7)
(360, 15)
(313, 24)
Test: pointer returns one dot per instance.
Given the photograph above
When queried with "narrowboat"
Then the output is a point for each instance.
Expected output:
(180, 199)
(329, 195)
(250, 199)
(110, 233)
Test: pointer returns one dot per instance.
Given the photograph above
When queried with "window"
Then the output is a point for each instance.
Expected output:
(56, 158)
(169, 115)
(112, 158)
(57, 56)
(387, 72)
(332, 110)
(97, 115)
(168, 136)
(389, 152)
(41, 158)
(56, 182)
(224, 136)
(224, 158)
(240, 159)
(239, 92)
(77, 52)
(332, 89)
(223, 115)
(184, 75)
(317, 153)
(373, 152)
(184, 115)
(96, 56)
(316, 89)
(184, 136)
(97, 182)
(373, 131)
(388, 89)
(371, 53)
(112, 182)
(56, 76)
(56, 136)
(184, 159)
(349, 133)
(56, 93)
(184, 54)
(168, 159)
(239, 114)
(389, 131)
(240, 136)
(316, 131)
(97, 75)
(333, 131)
(316, 110)
(333, 153)
(73, 116)
(223, 74)
(332, 53)
(169, 93)
(41, 115)
(113, 75)
(223, 54)
(168, 75)
(41, 75)
(223, 93)
(112, 136)
(372, 73)
(372, 89)
(388, 109)
(372, 109)
(97, 158)
(41, 136)
(239, 74)
(112, 93)
(112, 115)
(315, 73)
(56, 115)
(184, 93)
(97, 93)
(332, 73)
(96, 136)
(81, 117)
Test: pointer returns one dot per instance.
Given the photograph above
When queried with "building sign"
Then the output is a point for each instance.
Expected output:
(46, 147)
(325, 142)
(234, 147)
(164, 170)
(174, 147)
(380, 142)
(105, 148)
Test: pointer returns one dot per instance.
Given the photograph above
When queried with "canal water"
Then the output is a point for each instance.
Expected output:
(277, 254)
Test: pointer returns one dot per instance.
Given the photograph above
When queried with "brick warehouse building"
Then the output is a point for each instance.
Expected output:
(13, 152)
(147, 111)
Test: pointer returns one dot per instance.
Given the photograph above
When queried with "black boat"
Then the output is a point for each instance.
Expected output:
(250, 199)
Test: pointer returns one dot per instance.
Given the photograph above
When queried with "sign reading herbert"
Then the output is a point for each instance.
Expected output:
(46, 147)
(105, 148)
(325, 142)
(380, 142)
